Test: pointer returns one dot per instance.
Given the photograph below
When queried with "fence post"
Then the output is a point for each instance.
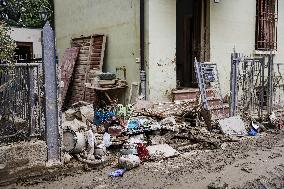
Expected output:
(270, 83)
(233, 84)
(30, 71)
(51, 105)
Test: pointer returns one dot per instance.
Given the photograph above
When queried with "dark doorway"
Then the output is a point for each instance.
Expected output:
(24, 50)
(189, 24)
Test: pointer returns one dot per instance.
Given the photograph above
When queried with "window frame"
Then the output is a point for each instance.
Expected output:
(266, 25)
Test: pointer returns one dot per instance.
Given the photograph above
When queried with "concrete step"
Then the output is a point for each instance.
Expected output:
(185, 94)
(214, 101)
(218, 113)
(190, 93)
(215, 104)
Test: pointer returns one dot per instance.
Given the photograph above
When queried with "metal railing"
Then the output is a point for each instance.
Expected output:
(21, 102)
(257, 85)
(278, 87)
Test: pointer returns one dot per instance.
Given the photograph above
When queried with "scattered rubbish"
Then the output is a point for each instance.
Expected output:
(73, 141)
(161, 151)
(233, 126)
(128, 149)
(168, 123)
(276, 122)
(129, 161)
(106, 140)
(273, 118)
(87, 113)
(144, 132)
(100, 150)
(67, 158)
(255, 126)
(133, 124)
(142, 151)
(117, 173)
(91, 145)
(115, 130)
(102, 115)
(252, 132)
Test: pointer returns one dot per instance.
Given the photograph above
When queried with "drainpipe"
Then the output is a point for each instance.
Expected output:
(142, 51)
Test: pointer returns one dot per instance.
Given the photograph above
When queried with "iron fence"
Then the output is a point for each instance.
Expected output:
(257, 85)
(278, 87)
(21, 104)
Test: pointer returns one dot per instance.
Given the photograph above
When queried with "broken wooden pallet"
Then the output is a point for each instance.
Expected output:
(90, 59)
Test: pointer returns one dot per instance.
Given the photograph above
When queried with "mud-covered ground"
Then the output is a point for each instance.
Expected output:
(256, 162)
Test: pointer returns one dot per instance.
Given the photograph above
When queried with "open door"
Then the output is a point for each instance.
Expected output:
(190, 33)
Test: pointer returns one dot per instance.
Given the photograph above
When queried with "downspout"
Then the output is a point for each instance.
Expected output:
(142, 50)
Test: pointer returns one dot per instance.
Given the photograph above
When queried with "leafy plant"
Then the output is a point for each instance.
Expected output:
(7, 45)
(25, 13)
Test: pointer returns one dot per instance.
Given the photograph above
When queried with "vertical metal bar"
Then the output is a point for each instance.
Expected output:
(31, 101)
(270, 83)
(50, 83)
(39, 104)
(233, 84)
(262, 86)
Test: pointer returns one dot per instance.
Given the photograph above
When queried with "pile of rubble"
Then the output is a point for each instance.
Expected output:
(145, 131)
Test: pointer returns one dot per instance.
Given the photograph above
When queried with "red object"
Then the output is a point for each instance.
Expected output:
(142, 151)
(115, 131)
(68, 61)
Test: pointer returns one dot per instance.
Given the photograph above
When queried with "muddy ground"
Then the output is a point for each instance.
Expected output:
(255, 162)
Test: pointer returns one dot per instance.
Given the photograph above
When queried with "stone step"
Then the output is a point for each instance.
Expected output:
(217, 111)
(185, 94)
(214, 101)
(190, 93)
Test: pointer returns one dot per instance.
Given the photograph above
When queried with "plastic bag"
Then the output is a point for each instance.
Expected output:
(117, 173)
(106, 139)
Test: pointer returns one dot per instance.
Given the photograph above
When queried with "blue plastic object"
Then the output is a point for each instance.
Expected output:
(133, 124)
(101, 116)
(117, 173)
(252, 132)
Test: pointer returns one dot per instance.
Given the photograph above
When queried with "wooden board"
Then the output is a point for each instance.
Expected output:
(67, 66)
(90, 58)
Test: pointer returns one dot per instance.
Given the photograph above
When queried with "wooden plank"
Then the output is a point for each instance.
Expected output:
(91, 55)
(67, 67)
(88, 63)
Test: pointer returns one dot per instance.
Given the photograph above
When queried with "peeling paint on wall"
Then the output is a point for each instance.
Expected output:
(161, 49)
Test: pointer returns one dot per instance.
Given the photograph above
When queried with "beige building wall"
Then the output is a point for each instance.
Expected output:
(161, 48)
(232, 25)
(118, 19)
(28, 35)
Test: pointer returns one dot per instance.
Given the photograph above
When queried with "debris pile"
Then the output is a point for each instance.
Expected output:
(145, 131)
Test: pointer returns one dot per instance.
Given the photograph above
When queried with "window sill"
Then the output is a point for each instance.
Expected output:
(261, 52)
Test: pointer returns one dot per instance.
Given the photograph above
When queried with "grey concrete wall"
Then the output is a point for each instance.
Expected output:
(161, 48)
(118, 19)
(232, 25)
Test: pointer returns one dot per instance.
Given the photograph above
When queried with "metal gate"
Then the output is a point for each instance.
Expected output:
(256, 85)
(278, 87)
(21, 105)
